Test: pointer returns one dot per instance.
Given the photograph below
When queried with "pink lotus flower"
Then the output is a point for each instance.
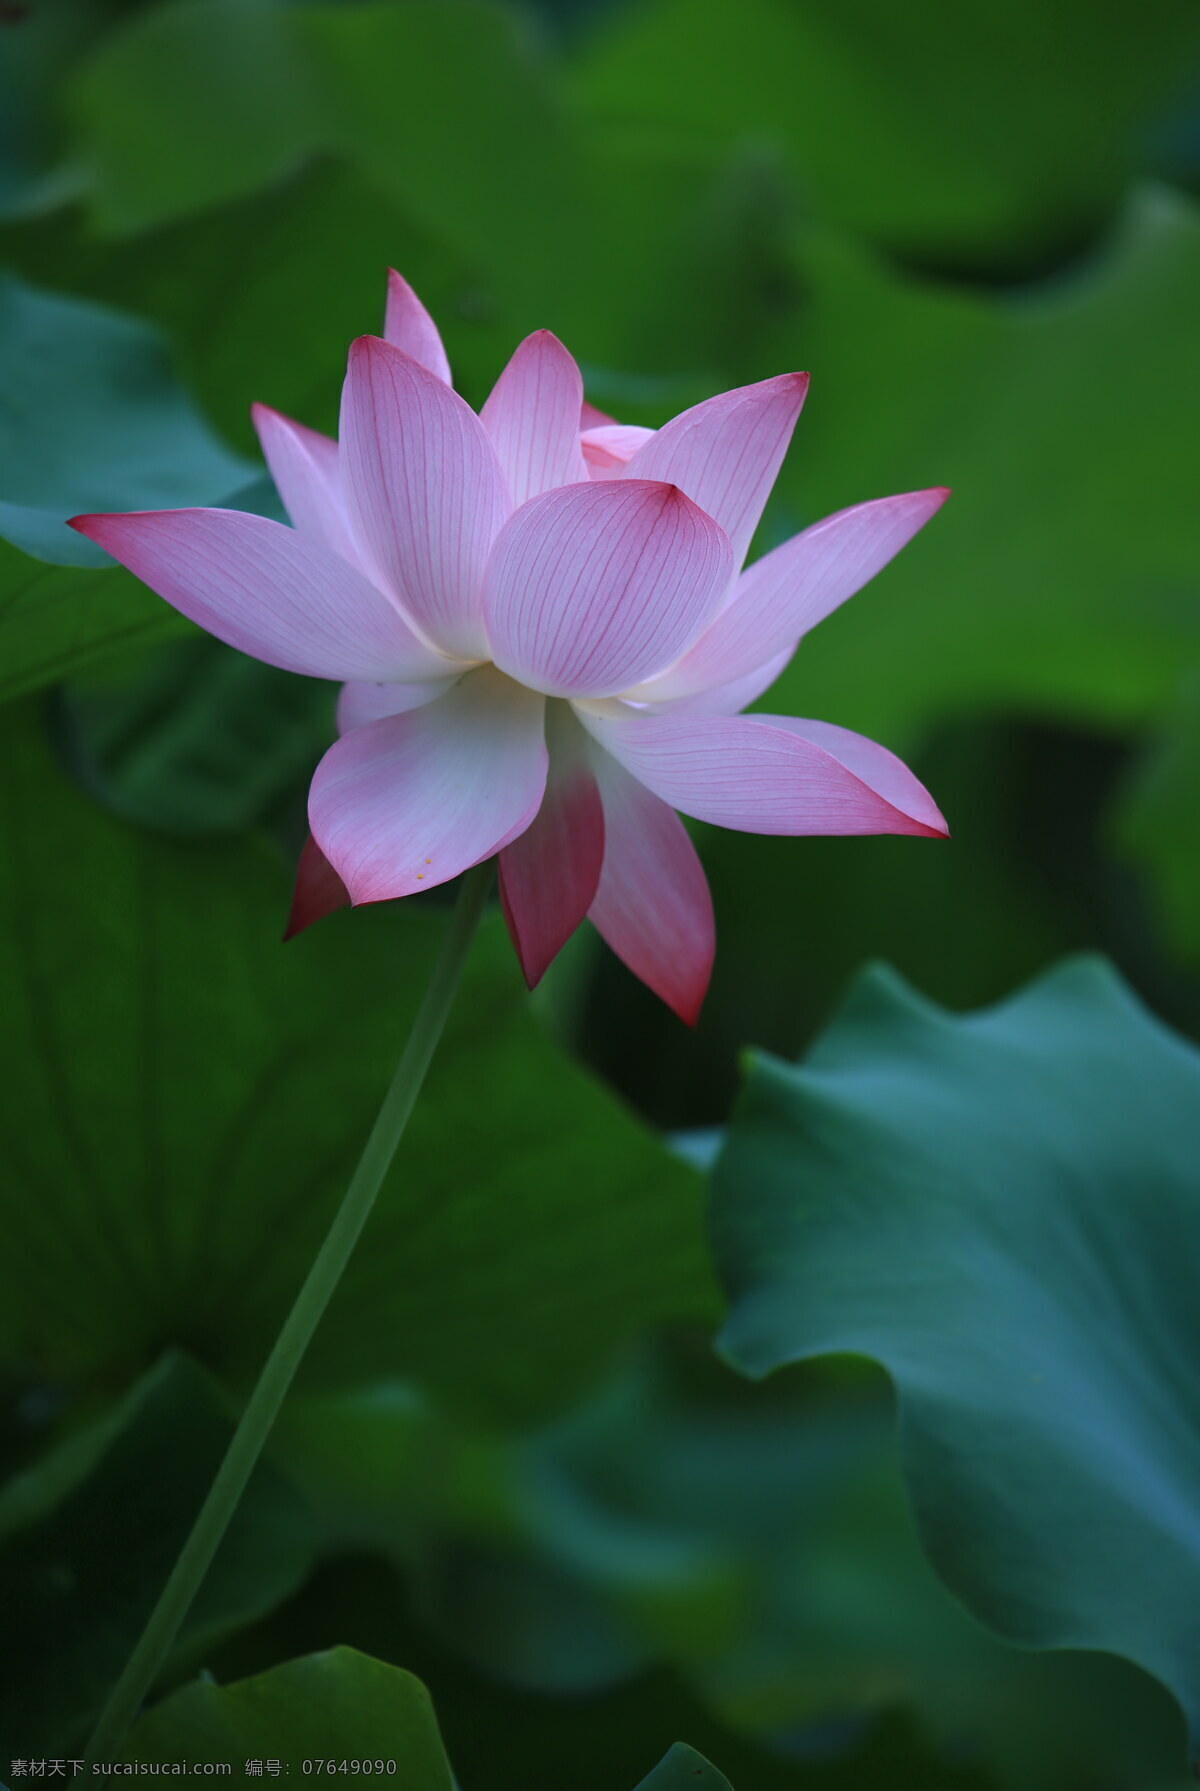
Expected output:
(546, 638)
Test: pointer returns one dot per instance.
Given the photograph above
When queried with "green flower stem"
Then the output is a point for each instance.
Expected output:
(262, 1408)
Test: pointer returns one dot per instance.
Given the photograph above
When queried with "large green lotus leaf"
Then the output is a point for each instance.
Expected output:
(196, 738)
(443, 106)
(683, 1769)
(490, 205)
(1002, 1209)
(1061, 576)
(224, 284)
(663, 225)
(606, 242)
(92, 417)
(447, 104)
(382, 1465)
(89, 1534)
(39, 46)
(458, 1511)
(386, 1470)
(511, 1739)
(488, 198)
(56, 619)
(155, 138)
(275, 289)
(337, 1706)
(1156, 822)
(262, 295)
(901, 124)
(758, 1539)
(186, 1100)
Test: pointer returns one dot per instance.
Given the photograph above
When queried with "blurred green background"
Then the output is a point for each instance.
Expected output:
(515, 1469)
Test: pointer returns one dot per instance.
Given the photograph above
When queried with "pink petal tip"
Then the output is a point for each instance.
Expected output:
(319, 890)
